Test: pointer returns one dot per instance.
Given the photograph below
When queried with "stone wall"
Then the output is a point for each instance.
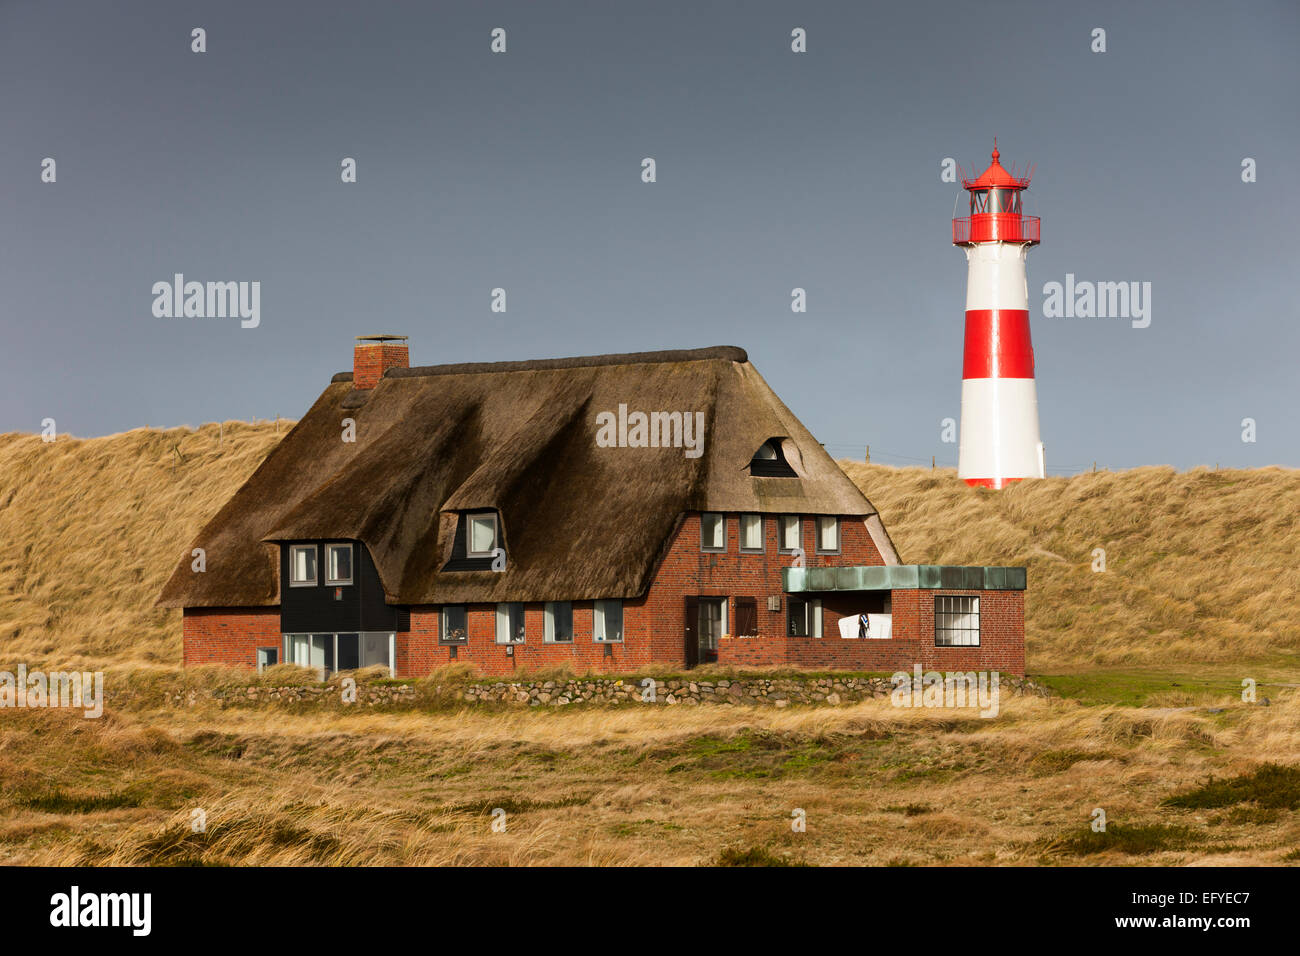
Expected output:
(775, 691)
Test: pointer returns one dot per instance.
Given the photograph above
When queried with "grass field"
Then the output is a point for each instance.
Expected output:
(1147, 657)
(676, 786)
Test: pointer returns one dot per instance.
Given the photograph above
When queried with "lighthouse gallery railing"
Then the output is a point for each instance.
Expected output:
(996, 227)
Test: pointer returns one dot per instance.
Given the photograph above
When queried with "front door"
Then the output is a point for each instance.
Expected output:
(692, 617)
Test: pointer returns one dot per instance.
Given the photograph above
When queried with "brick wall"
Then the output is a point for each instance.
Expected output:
(228, 635)
(420, 651)
(370, 361)
(1002, 631)
(654, 625)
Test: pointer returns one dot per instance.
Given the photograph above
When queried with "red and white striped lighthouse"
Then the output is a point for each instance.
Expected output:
(999, 404)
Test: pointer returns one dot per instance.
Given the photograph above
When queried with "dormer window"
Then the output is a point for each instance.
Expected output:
(302, 565)
(479, 543)
(482, 535)
(770, 461)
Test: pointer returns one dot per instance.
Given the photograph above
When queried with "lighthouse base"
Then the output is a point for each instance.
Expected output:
(990, 482)
(999, 432)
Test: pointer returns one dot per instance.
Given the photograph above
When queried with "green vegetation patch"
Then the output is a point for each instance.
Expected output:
(1270, 786)
(1134, 840)
(513, 804)
(1142, 689)
(756, 856)
(1058, 761)
(754, 754)
(56, 800)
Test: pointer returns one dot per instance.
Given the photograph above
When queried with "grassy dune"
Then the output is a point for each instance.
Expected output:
(90, 529)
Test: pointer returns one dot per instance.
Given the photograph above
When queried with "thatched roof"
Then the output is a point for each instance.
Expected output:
(579, 521)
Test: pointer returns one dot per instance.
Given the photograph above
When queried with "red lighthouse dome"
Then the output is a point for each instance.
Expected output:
(995, 208)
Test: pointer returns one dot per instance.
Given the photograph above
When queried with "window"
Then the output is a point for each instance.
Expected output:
(338, 564)
(454, 626)
(805, 617)
(713, 532)
(956, 621)
(746, 617)
(302, 565)
(828, 535)
(510, 623)
(713, 624)
(791, 527)
(751, 532)
(481, 538)
(315, 651)
(607, 622)
(329, 653)
(770, 461)
(347, 652)
(557, 622)
(267, 657)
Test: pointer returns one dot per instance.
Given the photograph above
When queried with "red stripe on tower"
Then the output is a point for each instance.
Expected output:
(997, 344)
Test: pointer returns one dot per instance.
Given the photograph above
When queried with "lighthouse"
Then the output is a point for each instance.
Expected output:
(999, 404)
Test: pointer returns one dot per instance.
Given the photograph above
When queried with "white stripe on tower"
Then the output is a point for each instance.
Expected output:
(999, 403)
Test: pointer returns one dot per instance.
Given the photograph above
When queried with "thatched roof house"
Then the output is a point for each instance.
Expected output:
(608, 511)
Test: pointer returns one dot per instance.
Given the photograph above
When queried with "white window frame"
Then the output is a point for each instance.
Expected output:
(752, 519)
(469, 535)
(838, 533)
(442, 625)
(722, 523)
(953, 615)
(294, 549)
(598, 611)
(261, 664)
(781, 524)
(548, 623)
(352, 572)
(504, 634)
(724, 617)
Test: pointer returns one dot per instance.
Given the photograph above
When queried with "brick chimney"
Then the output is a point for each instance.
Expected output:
(375, 354)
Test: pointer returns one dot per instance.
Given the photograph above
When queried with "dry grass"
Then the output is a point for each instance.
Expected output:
(674, 786)
(90, 529)
(1200, 582)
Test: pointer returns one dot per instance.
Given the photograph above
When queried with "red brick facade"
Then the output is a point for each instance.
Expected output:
(229, 635)
(654, 624)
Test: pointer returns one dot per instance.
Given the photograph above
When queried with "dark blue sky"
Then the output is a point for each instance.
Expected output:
(775, 170)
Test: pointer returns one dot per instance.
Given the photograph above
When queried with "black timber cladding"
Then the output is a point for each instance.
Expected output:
(337, 608)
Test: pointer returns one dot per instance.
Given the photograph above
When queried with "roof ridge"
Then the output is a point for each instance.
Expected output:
(730, 353)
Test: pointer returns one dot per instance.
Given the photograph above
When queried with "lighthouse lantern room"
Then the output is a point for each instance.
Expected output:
(999, 402)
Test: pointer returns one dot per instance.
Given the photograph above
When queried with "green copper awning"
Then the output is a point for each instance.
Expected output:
(900, 576)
